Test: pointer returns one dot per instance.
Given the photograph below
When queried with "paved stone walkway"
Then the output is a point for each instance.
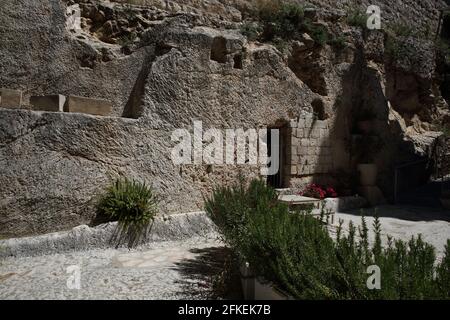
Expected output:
(173, 269)
(166, 270)
(403, 222)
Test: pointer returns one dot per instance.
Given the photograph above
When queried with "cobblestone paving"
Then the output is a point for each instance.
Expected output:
(160, 271)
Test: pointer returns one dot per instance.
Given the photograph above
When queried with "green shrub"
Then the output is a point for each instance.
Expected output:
(130, 202)
(284, 22)
(444, 128)
(251, 31)
(443, 274)
(318, 33)
(396, 48)
(401, 29)
(295, 252)
(281, 21)
(230, 208)
(339, 42)
(357, 18)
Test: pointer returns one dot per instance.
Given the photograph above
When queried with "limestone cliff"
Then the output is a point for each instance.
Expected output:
(163, 64)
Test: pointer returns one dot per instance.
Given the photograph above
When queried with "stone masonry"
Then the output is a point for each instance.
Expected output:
(10, 98)
(53, 103)
(309, 149)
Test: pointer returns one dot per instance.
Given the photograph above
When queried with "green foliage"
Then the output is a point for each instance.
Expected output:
(338, 42)
(443, 274)
(286, 248)
(127, 40)
(251, 31)
(130, 202)
(401, 29)
(285, 22)
(318, 33)
(398, 33)
(357, 18)
(281, 21)
(396, 48)
(444, 128)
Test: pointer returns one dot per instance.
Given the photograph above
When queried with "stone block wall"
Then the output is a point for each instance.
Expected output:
(309, 150)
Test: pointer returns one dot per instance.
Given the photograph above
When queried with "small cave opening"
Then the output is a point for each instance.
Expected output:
(237, 61)
(219, 50)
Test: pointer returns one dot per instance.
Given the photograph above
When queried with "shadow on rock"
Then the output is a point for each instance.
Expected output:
(130, 235)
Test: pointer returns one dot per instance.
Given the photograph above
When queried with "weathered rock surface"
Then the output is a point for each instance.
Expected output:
(162, 65)
(174, 228)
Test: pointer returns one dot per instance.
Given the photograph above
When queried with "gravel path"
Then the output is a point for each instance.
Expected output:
(164, 270)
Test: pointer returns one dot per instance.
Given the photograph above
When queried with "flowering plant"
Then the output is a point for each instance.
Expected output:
(317, 191)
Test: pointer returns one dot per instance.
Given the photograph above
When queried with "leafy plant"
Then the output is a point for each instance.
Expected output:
(127, 40)
(444, 128)
(357, 18)
(338, 42)
(443, 274)
(130, 202)
(318, 33)
(251, 30)
(279, 21)
(285, 249)
(285, 22)
(401, 29)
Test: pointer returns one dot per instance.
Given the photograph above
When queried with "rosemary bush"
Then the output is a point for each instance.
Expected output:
(295, 252)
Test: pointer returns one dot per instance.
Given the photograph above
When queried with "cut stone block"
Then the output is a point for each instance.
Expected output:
(304, 142)
(294, 150)
(53, 103)
(98, 107)
(10, 98)
(321, 124)
(293, 169)
(344, 203)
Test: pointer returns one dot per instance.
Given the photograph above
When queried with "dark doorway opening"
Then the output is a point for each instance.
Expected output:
(277, 180)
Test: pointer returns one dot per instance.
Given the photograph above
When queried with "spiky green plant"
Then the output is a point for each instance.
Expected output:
(130, 202)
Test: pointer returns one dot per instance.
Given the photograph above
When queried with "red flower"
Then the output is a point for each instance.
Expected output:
(316, 191)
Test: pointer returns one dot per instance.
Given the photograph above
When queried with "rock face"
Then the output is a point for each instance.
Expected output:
(163, 65)
(54, 163)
